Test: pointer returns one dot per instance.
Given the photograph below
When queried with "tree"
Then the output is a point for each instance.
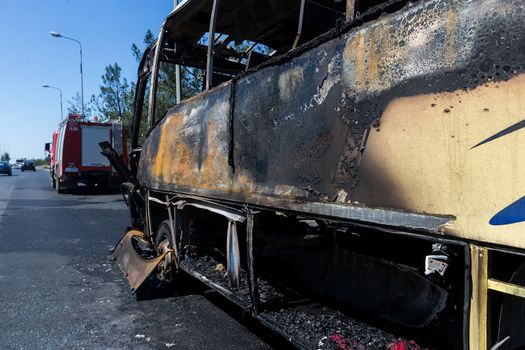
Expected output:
(116, 97)
(5, 157)
(96, 103)
(75, 106)
(191, 78)
(113, 102)
(149, 39)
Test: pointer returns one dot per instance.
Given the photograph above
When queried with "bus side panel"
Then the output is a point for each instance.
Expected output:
(411, 113)
(369, 118)
(189, 149)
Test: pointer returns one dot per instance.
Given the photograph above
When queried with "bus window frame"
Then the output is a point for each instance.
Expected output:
(154, 78)
(144, 76)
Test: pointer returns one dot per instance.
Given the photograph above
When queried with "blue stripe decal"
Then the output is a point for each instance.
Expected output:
(510, 215)
(514, 212)
(510, 129)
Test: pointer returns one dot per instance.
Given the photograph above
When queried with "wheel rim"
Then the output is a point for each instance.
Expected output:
(166, 267)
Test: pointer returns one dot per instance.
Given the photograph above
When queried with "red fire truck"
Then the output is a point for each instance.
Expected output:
(76, 161)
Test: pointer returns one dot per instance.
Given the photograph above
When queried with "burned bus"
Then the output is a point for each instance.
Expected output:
(349, 172)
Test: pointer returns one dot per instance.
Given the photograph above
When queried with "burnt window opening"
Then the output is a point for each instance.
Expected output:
(318, 17)
(239, 48)
(245, 34)
(139, 126)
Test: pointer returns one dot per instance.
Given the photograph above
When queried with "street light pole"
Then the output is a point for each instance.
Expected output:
(60, 90)
(58, 35)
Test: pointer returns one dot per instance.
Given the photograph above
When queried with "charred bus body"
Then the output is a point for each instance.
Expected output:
(368, 159)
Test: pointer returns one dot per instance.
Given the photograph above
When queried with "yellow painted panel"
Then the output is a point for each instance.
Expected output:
(422, 158)
(478, 298)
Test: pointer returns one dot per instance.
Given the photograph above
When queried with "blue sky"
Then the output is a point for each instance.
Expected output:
(30, 57)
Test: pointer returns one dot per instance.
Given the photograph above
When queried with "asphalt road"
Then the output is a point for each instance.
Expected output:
(59, 289)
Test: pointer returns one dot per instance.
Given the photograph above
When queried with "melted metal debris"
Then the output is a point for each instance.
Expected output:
(312, 326)
(216, 272)
(319, 327)
(213, 270)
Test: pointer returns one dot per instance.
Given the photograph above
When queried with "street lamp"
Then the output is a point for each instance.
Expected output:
(60, 90)
(58, 35)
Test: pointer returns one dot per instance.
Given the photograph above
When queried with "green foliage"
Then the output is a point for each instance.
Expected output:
(113, 102)
(149, 39)
(41, 162)
(5, 157)
(166, 94)
(116, 97)
(75, 106)
(191, 85)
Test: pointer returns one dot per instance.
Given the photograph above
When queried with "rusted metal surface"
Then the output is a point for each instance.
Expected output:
(387, 112)
(188, 150)
(135, 268)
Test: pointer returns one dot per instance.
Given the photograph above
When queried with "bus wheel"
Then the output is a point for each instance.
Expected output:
(164, 241)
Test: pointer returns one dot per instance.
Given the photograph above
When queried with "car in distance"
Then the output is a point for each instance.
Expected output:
(5, 168)
(28, 166)
(18, 164)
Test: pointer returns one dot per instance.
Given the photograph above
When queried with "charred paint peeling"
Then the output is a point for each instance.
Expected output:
(190, 146)
(297, 128)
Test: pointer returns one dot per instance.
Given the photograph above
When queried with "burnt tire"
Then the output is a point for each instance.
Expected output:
(164, 234)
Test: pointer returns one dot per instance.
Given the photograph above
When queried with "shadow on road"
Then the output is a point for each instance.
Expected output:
(153, 288)
(87, 191)
(185, 285)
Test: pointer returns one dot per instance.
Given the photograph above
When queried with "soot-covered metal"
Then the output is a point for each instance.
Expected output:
(297, 129)
(353, 154)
